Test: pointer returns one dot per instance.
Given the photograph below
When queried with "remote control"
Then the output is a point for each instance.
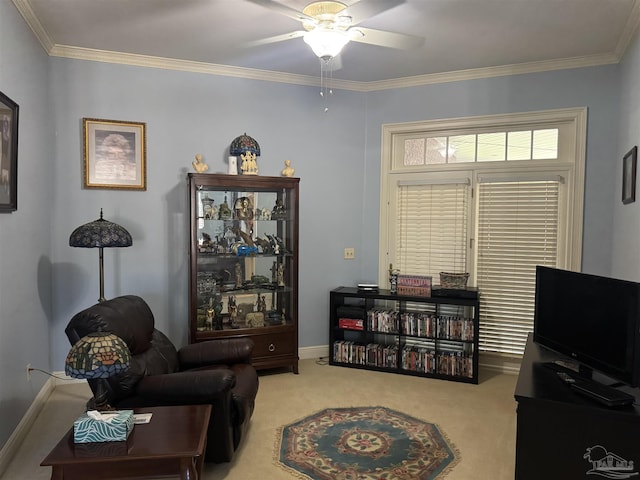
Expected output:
(565, 377)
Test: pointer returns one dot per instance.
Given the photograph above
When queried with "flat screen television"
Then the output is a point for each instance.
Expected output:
(593, 320)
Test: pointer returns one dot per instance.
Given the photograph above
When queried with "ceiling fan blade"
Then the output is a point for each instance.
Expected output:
(364, 9)
(282, 9)
(385, 39)
(275, 39)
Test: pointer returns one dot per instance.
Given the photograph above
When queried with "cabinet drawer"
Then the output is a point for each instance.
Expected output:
(274, 344)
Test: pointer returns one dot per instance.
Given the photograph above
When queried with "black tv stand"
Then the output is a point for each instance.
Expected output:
(557, 427)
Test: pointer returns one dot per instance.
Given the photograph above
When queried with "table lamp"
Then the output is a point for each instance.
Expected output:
(100, 234)
(248, 150)
(98, 355)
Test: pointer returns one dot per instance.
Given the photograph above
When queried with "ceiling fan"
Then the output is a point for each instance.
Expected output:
(330, 25)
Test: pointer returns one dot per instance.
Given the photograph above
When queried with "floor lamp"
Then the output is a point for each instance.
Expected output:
(100, 234)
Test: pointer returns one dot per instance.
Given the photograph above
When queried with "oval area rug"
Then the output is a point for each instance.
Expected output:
(364, 443)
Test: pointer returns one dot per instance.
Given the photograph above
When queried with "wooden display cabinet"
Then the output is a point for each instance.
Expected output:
(243, 265)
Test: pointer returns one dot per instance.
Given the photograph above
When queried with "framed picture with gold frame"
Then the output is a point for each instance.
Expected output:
(114, 154)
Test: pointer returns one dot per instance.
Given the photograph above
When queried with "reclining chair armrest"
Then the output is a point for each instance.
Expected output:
(184, 388)
(226, 351)
(200, 387)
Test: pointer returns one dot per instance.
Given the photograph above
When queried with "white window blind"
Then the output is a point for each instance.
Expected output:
(431, 233)
(517, 230)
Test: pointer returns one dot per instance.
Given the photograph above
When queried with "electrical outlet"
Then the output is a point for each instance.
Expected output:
(29, 372)
(349, 253)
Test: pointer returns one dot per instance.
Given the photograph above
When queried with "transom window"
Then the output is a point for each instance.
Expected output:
(540, 144)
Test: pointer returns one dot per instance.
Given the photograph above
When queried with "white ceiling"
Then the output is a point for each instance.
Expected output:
(463, 38)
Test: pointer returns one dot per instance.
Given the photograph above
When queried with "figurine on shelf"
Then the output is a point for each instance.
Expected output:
(279, 211)
(281, 247)
(288, 170)
(233, 312)
(254, 319)
(225, 212)
(274, 272)
(249, 164)
(264, 214)
(210, 314)
(206, 244)
(246, 238)
(239, 278)
(262, 304)
(274, 246)
(229, 237)
(243, 208)
(217, 312)
(280, 275)
(393, 279)
(264, 245)
(207, 207)
(198, 165)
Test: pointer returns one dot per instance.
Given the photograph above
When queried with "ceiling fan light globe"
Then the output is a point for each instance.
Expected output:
(326, 42)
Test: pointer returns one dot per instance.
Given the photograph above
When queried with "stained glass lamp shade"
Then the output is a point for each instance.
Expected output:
(100, 234)
(243, 144)
(98, 355)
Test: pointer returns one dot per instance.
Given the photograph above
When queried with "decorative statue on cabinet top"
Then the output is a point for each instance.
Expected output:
(248, 150)
(198, 165)
(288, 170)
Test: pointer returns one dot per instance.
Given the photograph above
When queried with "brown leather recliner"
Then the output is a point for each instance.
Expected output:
(216, 372)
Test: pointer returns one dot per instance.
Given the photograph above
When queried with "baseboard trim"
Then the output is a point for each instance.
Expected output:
(506, 364)
(318, 351)
(10, 448)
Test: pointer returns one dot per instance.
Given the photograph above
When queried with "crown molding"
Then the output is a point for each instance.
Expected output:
(488, 72)
(629, 30)
(80, 53)
(24, 7)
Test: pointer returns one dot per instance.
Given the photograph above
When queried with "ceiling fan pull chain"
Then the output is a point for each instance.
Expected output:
(326, 75)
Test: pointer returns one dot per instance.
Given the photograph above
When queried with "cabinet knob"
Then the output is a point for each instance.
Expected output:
(272, 347)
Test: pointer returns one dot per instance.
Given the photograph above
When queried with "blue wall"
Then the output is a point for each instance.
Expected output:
(25, 235)
(188, 113)
(43, 281)
(626, 218)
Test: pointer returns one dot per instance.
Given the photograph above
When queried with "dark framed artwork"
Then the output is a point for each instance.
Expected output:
(8, 154)
(629, 162)
(114, 154)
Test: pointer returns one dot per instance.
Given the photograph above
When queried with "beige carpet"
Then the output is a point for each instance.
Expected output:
(479, 419)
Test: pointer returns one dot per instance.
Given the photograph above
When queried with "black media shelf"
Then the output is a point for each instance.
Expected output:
(434, 337)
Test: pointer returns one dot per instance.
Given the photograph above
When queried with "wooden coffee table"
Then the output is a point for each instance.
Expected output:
(171, 444)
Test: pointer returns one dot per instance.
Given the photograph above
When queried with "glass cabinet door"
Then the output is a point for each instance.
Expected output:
(243, 256)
